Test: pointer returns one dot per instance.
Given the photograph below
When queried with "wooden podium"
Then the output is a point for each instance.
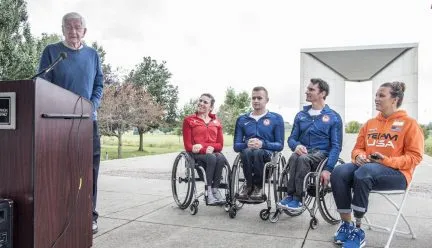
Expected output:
(46, 165)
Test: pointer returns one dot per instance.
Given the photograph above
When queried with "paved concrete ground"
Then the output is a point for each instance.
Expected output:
(137, 210)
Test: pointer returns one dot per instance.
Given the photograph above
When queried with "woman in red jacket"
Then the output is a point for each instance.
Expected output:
(203, 137)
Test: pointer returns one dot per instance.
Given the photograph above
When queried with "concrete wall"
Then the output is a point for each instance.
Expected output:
(405, 69)
(312, 68)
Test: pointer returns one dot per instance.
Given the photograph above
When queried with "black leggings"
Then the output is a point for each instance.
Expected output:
(214, 163)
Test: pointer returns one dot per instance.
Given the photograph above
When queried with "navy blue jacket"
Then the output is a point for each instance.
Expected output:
(322, 132)
(269, 129)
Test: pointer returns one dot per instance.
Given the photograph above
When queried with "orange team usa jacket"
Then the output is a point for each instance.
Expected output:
(399, 138)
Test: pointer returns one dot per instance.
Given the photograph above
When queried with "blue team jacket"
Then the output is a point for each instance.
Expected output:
(269, 129)
(322, 132)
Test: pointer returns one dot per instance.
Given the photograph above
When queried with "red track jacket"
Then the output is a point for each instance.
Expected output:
(196, 131)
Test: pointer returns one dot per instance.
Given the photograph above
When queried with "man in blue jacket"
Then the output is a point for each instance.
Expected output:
(316, 134)
(257, 134)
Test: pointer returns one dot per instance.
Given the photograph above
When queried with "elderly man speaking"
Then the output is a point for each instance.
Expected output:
(80, 73)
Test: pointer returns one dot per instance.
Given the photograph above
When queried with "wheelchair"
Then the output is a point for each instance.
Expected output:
(315, 197)
(272, 170)
(184, 183)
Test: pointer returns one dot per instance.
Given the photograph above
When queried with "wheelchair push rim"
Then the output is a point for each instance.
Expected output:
(182, 180)
(327, 204)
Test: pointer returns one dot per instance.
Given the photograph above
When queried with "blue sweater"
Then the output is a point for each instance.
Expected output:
(322, 132)
(269, 129)
(80, 72)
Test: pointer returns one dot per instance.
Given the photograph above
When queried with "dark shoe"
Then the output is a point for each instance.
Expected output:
(257, 193)
(244, 193)
(95, 227)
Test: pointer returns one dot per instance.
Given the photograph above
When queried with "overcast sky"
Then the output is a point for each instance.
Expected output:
(212, 45)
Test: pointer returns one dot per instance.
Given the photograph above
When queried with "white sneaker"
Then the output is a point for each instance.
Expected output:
(95, 228)
(217, 194)
(211, 200)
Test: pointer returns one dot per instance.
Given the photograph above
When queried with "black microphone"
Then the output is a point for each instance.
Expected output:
(61, 57)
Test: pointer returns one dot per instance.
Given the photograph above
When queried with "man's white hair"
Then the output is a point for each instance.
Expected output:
(73, 15)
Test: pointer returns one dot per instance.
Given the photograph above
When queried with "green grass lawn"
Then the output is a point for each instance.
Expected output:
(428, 146)
(161, 143)
(153, 144)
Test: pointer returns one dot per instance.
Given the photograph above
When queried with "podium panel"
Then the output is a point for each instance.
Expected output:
(46, 165)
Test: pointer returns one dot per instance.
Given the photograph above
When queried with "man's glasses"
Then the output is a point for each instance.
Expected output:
(203, 101)
(70, 28)
(257, 98)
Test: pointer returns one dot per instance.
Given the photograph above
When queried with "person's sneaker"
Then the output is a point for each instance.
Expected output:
(244, 193)
(356, 239)
(95, 228)
(256, 193)
(343, 232)
(284, 202)
(211, 200)
(294, 205)
(218, 195)
(287, 199)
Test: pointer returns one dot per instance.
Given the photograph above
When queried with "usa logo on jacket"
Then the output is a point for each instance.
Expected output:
(326, 118)
(397, 126)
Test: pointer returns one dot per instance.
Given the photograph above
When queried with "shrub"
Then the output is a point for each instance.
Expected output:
(425, 131)
(353, 127)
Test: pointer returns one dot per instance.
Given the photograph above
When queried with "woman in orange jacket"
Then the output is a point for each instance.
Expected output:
(203, 138)
(388, 149)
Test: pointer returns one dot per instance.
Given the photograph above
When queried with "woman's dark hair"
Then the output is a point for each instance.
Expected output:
(212, 100)
(397, 89)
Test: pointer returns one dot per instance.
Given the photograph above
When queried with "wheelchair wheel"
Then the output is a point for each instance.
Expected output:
(313, 223)
(282, 189)
(237, 181)
(193, 208)
(182, 180)
(264, 214)
(277, 176)
(225, 184)
(327, 204)
(232, 212)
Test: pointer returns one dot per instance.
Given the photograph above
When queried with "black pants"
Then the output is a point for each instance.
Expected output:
(96, 163)
(214, 163)
(253, 165)
(299, 166)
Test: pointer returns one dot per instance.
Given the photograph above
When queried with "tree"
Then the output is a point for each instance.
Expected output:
(17, 46)
(425, 131)
(233, 106)
(110, 77)
(188, 109)
(45, 40)
(353, 127)
(429, 126)
(125, 106)
(154, 78)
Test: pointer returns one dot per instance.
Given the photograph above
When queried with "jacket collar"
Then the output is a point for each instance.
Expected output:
(326, 109)
(250, 112)
(399, 114)
(212, 116)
